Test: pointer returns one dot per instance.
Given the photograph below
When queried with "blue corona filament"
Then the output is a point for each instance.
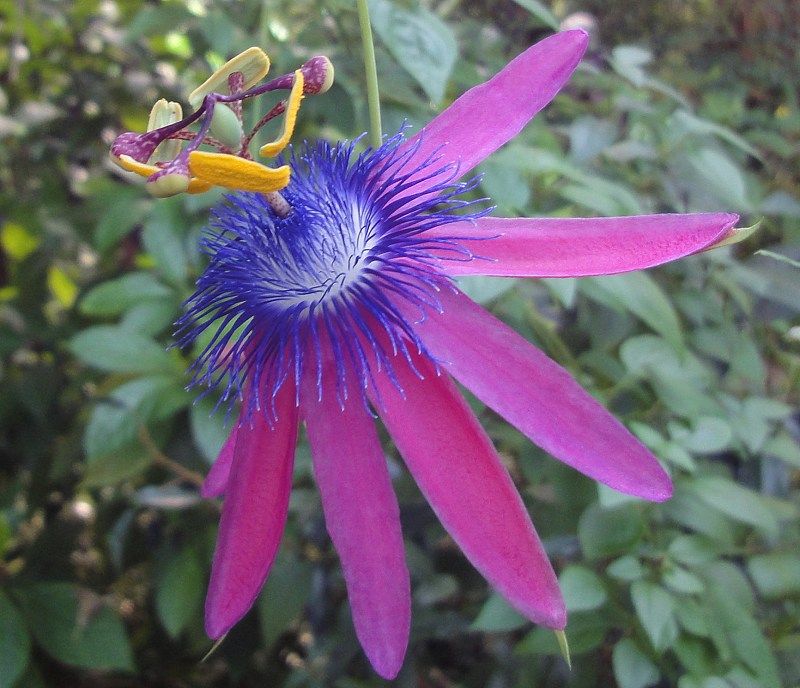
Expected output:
(353, 246)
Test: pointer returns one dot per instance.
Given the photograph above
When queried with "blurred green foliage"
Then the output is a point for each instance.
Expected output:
(104, 543)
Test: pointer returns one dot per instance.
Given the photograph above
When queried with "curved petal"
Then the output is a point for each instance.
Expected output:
(577, 247)
(491, 114)
(362, 517)
(539, 397)
(217, 479)
(254, 513)
(466, 484)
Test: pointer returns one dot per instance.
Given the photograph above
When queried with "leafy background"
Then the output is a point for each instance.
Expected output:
(104, 544)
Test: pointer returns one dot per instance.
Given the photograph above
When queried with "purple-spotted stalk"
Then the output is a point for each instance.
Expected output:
(371, 73)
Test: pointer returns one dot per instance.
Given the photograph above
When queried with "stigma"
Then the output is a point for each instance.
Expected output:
(175, 159)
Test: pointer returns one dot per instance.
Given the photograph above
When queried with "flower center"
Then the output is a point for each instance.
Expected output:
(354, 245)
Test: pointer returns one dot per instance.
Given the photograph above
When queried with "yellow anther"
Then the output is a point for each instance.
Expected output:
(237, 173)
(270, 150)
(253, 63)
(163, 113)
(198, 186)
(126, 162)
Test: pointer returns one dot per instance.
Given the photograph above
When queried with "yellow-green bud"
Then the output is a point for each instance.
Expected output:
(225, 126)
(163, 113)
(168, 185)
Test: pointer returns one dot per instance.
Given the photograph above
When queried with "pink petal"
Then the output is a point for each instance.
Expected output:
(493, 113)
(217, 478)
(254, 513)
(539, 397)
(363, 519)
(576, 247)
(462, 477)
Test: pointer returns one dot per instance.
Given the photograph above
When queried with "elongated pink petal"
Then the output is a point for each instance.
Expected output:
(217, 479)
(363, 519)
(539, 397)
(577, 247)
(491, 114)
(461, 475)
(254, 513)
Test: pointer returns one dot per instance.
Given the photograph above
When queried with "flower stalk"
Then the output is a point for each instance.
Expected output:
(371, 72)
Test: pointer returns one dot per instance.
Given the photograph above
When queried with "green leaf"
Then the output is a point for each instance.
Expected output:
(693, 617)
(680, 580)
(638, 293)
(151, 317)
(116, 466)
(693, 550)
(116, 296)
(582, 589)
(632, 668)
(609, 532)
(15, 643)
(423, 45)
(209, 428)
(721, 177)
(589, 136)
(163, 241)
(626, 568)
(738, 503)
(691, 123)
(180, 591)
(655, 608)
(284, 596)
(736, 626)
(87, 635)
(17, 242)
(541, 12)
(776, 575)
(785, 448)
(126, 207)
(497, 616)
(115, 423)
(781, 203)
(708, 436)
(629, 61)
(119, 350)
(695, 514)
(483, 289)
(505, 185)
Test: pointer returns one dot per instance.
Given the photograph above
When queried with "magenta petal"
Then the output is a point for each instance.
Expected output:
(253, 514)
(493, 113)
(217, 479)
(577, 247)
(363, 519)
(466, 484)
(539, 397)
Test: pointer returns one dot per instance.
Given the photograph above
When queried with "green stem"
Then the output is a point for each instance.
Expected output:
(371, 70)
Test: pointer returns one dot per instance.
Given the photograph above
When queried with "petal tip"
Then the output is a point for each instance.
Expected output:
(388, 666)
(215, 627)
(663, 492)
(555, 617)
(657, 489)
(576, 38)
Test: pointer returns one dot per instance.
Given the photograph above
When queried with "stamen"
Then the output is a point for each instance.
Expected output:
(233, 172)
(253, 64)
(195, 171)
(236, 86)
(278, 203)
(270, 150)
(278, 109)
